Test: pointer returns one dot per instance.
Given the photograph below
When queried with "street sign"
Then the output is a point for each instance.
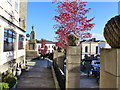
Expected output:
(27, 35)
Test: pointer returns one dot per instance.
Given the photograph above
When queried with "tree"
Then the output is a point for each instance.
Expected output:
(43, 49)
(72, 19)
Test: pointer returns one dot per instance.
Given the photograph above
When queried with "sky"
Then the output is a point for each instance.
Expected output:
(41, 14)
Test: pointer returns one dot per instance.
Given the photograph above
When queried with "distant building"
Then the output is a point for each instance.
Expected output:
(103, 45)
(12, 34)
(92, 47)
(49, 44)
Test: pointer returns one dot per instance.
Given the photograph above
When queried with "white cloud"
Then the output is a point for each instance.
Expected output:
(98, 36)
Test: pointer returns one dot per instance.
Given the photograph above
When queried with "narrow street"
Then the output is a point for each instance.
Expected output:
(38, 76)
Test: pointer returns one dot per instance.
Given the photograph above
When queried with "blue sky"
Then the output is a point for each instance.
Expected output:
(40, 14)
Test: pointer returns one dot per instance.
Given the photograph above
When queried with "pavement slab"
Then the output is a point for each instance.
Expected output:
(37, 76)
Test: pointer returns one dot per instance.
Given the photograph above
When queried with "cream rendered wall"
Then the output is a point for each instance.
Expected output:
(7, 8)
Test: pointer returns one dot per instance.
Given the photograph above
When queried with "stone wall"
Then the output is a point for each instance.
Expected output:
(110, 68)
(31, 54)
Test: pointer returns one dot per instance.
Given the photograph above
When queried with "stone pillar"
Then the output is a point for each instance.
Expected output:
(110, 68)
(32, 41)
(55, 57)
(60, 60)
(73, 67)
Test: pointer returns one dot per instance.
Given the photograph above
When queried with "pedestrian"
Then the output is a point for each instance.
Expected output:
(88, 68)
(84, 65)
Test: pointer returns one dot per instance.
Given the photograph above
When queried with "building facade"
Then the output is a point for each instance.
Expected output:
(49, 44)
(92, 47)
(103, 45)
(12, 34)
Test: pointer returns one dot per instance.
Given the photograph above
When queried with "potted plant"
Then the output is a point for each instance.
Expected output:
(10, 79)
(4, 86)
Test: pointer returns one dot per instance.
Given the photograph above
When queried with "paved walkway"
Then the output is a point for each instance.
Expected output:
(88, 82)
(38, 76)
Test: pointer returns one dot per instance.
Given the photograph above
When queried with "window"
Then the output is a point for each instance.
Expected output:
(21, 39)
(53, 46)
(86, 49)
(9, 39)
(52, 51)
(99, 49)
(48, 51)
(49, 46)
(96, 49)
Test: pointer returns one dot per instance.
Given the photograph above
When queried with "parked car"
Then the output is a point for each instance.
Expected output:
(96, 69)
(95, 63)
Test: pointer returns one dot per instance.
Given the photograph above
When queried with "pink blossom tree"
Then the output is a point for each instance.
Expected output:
(43, 49)
(72, 19)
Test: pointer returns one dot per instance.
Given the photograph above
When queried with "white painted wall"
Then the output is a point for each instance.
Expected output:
(91, 48)
(48, 45)
(5, 9)
(103, 45)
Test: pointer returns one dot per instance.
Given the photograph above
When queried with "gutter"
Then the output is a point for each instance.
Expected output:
(12, 23)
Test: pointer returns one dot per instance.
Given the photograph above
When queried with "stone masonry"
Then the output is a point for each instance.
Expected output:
(110, 68)
(73, 67)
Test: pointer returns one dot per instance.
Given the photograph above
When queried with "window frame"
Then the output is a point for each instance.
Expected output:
(96, 50)
(86, 49)
(9, 40)
(20, 42)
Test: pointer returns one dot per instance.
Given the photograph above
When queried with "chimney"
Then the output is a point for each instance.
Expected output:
(93, 39)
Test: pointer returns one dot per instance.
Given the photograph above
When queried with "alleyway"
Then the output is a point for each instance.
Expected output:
(38, 76)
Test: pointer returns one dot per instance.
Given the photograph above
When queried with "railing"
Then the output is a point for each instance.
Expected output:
(60, 76)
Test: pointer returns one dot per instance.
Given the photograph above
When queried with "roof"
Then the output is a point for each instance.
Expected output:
(93, 40)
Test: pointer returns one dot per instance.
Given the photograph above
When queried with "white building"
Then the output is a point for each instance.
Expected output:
(92, 47)
(103, 45)
(49, 44)
(12, 34)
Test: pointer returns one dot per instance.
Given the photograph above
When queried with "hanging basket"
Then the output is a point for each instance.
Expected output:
(112, 32)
